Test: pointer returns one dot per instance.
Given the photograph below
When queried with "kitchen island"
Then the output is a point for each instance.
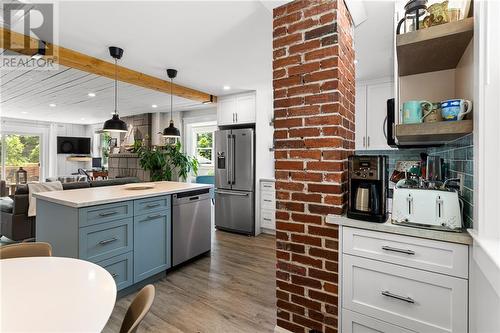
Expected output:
(127, 231)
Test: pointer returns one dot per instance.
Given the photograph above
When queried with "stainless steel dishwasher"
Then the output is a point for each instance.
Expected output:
(191, 225)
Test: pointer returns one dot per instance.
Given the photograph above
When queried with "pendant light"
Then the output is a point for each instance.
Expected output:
(171, 131)
(115, 124)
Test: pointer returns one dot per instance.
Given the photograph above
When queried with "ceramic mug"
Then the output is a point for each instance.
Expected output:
(435, 114)
(455, 109)
(413, 111)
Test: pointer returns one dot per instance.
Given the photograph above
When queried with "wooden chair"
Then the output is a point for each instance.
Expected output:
(138, 309)
(25, 250)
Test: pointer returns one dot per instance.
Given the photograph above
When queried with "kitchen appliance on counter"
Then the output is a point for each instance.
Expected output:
(191, 225)
(427, 208)
(234, 180)
(368, 185)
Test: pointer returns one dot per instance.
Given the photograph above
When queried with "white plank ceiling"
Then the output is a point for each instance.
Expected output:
(29, 94)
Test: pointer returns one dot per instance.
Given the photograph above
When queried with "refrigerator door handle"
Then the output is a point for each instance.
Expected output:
(233, 158)
(240, 194)
(229, 158)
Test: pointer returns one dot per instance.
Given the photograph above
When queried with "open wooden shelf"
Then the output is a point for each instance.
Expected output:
(79, 158)
(435, 48)
(433, 133)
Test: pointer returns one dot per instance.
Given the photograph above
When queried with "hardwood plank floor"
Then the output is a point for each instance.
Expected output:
(232, 290)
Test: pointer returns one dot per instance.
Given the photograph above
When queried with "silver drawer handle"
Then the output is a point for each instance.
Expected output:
(107, 241)
(108, 213)
(152, 205)
(150, 217)
(115, 275)
(395, 249)
(266, 219)
(267, 200)
(401, 298)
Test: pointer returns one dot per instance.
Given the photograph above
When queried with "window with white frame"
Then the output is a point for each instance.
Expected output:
(203, 144)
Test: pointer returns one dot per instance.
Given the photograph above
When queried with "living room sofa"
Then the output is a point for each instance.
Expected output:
(15, 223)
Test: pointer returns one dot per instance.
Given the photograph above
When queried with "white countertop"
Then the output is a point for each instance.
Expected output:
(51, 294)
(107, 194)
(445, 236)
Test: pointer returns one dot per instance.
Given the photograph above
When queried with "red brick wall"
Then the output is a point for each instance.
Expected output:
(313, 71)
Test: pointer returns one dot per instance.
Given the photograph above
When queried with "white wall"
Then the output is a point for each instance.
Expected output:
(53, 164)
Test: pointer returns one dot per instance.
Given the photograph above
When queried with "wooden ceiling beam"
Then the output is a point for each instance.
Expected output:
(86, 63)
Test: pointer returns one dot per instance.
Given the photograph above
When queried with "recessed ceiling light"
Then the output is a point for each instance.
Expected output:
(52, 105)
(24, 112)
(355, 61)
(226, 87)
(154, 106)
(91, 94)
(82, 118)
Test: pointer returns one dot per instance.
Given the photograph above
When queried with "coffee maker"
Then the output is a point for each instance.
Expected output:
(368, 184)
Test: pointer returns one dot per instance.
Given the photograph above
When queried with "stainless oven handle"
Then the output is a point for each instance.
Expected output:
(401, 298)
(395, 249)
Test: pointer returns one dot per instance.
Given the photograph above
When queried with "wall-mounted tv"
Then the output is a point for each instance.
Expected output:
(73, 145)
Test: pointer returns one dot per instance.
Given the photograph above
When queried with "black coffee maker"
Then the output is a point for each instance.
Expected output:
(368, 185)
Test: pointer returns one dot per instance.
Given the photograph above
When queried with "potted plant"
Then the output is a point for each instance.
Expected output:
(167, 163)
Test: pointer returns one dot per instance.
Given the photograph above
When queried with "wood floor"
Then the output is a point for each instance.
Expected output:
(232, 290)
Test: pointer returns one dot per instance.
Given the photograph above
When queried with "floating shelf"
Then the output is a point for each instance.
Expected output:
(435, 48)
(79, 158)
(432, 133)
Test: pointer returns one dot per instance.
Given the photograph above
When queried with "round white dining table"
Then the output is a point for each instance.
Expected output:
(52, 294)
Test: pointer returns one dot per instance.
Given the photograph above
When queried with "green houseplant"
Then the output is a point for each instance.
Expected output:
(163, 163)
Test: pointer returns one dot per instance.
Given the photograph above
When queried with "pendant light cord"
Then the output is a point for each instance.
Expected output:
(171, 99)
(116, 90)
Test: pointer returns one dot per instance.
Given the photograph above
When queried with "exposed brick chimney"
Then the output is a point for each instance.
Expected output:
(314, 133)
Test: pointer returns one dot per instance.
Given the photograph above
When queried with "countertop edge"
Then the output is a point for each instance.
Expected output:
(42, 196)
(443, 236)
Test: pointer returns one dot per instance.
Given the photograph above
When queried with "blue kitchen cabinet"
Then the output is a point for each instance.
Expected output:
(152, 240)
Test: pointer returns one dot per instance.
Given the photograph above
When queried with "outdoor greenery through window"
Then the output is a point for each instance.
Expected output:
(20, 151)
(204, 145)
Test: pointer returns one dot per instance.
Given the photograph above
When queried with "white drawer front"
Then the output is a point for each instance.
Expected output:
(267, 200)
(414, 299)
(353, 322)
(434, 256)
(267, 186)
(267, 218)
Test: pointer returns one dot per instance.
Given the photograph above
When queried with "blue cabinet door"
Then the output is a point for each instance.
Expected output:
(152, 249)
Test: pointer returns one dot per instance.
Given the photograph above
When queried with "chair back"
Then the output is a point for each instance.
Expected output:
(138, 309)
(25, 250)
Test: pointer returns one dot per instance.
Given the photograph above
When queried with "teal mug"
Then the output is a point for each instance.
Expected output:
(413, 111)
(455, 109)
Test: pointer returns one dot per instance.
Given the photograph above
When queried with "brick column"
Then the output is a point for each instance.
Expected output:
(314, 133)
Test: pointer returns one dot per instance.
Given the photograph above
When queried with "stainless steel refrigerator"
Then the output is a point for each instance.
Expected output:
(234, 180)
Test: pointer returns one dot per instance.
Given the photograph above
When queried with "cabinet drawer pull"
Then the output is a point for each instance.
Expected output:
(266, 219)
(107, 241)
(267, 186)
(155, 216)
(115, 275)
(103, 214)
(395, 249)
(401, 298)
(267, 200)
(152, 205)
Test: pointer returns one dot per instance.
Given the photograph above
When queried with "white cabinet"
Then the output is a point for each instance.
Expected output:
(371, 114)
(395, 283)
(236, 109)
(267, 204)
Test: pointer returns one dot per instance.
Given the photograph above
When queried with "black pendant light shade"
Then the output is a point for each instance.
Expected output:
(171, 131)
(115, 124)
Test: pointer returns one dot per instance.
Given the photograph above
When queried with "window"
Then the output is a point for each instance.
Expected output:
(18, 150)
(203, 144)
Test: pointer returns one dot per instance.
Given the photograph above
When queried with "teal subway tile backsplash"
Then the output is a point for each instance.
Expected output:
(458, 156)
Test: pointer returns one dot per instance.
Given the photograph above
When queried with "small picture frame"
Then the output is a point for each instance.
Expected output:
(113, 142)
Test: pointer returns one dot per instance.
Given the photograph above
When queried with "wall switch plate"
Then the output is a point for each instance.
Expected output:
(461, 176)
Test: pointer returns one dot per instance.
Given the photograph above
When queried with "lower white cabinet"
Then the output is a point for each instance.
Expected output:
(267, 205)
(353, 322)
(394, 283)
